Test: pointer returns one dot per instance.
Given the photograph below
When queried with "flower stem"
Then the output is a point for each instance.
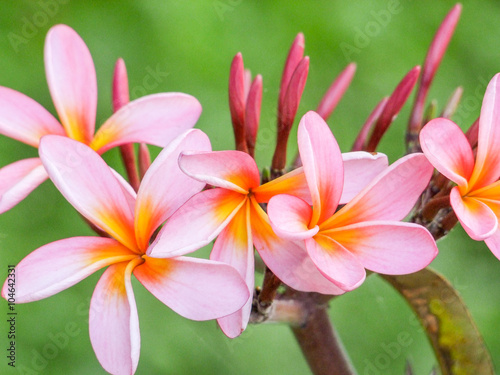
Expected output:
(321, 346)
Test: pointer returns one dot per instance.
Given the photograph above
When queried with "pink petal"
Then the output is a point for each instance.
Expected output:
(113, 321)
(88, 184)
(154, 119)
(493, 243)
(447, 148)
(24, 119)
(360, 168)
(478, 220)
(165, 187)
(290, 217)
(18, 180)
(196, 223)
(72, 81)
(323, 165)
(233, 170)
(388, 247)
(197, 289)
(61, 264)
(234, 246)
(293, 183)
(287, 259)
(487, 168)
(335, 262)
(390, 196)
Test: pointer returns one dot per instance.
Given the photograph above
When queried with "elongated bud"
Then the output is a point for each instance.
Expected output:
(120, 98)
(120, 85)
(294, 94)
(361, 140)
(431, 111)
(336, 91)
(452, 104)
(431, 64)
(394, 104)
(237, 101)
(144, 159)
(293, 59)
(287, 116)
(473, 133)
(247, 82)
(252, 113)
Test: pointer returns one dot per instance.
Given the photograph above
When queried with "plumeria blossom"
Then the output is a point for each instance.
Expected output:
(195, 288)
(232, 211)
(366, 232)
(476, 198)
(154, 119)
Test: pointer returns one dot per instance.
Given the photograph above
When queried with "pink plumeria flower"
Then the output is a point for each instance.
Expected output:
(366, 232)
(476, 198)
(232, 211)
(154, 119)
(194, 288)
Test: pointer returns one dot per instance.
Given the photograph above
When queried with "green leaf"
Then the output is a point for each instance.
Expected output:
(456, 341)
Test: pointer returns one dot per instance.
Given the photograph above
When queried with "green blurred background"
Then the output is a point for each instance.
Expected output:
(191, 44)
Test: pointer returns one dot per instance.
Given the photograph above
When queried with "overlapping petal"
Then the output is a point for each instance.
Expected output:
(446, 147)
(61, 264)
(390, 196)
(288, 260)
(290, 217)
(335, 262)
(113, 320)
(165, 187)
(360, 168)
(234, 246)
(88, 184)
(18, 180)
(25, 120)
(197, 289)
(493, 243)
(487, 167)
(293, 183)
(323, 165)
(233, 170)
(208, 212)
(154, 119)
(72, 81)
(478, 220)
(388, 247)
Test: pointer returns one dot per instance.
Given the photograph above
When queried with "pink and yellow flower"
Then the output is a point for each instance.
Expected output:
(366, 232)
(194, 288)
(476, 198)
(154, 119)
(232, 212)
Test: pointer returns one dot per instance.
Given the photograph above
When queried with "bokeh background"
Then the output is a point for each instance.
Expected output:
(187, 46)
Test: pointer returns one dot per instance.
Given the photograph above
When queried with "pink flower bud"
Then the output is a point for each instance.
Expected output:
(336, 91)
